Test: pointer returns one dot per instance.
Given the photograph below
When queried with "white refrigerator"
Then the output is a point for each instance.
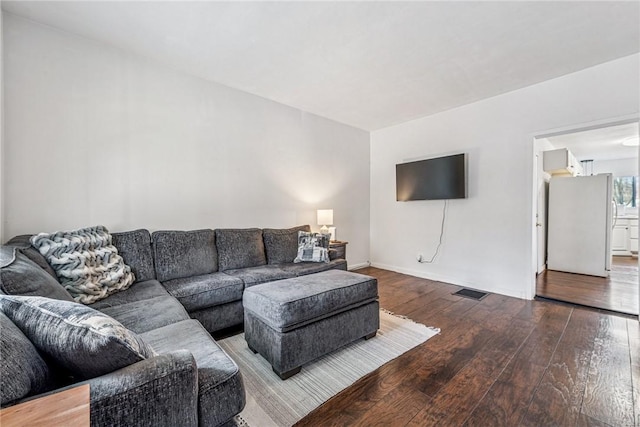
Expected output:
(580, 224)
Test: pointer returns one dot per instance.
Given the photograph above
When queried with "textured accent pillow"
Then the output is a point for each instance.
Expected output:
(313, 247)
(280, 244)
(86, 262)
(23, 372)
(80, 339)
(21, 276)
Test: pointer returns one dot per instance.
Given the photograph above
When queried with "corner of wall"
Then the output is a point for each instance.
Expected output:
(2, 216)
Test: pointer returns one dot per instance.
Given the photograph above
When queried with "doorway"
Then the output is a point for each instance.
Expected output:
(608, 149)
(618, 292)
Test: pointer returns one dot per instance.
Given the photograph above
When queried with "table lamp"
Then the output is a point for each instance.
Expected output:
(325, 217)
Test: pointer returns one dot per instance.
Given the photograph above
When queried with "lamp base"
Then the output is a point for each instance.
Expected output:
(324, 230)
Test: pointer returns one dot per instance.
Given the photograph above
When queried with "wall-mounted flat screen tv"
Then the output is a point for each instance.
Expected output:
(432, 179)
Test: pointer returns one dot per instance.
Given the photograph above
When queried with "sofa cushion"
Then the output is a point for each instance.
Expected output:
(220, 317)
(286, 304)
(304, 268)
(144, 315)
(240, 248)
(21, 276)
(139, 291)
(180, 254)
(220, 389)
(22, 369)
(24, 243)
(135, 249)
(312, 247)
(281, 245)
(206, 290)
(86, 262)
(78, 338)
(255, 275)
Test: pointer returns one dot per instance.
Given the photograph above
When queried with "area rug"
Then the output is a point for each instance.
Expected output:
(273, 402)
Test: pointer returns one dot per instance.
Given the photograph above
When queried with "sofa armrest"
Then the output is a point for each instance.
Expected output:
(160, 391)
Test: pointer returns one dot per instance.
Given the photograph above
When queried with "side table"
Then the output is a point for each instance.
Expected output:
(340, 247)
(69, 408)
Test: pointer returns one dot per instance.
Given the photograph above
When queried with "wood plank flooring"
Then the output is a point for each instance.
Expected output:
(618, 292)
(497, 362)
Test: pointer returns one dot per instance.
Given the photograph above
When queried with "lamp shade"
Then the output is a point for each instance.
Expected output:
(325, 216)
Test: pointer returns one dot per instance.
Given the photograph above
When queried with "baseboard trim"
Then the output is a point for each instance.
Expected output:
(446, 279)
(359, 265)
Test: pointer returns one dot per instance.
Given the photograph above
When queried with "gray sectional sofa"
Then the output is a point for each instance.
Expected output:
(189, 284)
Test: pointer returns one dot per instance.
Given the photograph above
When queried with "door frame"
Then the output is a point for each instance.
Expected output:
(578, 127)
(538, 165)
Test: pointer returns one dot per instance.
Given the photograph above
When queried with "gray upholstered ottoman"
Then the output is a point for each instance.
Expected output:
(294, 321)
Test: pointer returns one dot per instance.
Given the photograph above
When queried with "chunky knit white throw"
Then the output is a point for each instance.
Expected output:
(86, 262)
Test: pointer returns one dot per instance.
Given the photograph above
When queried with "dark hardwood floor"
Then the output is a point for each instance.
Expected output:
(618, 292)
(497, 362)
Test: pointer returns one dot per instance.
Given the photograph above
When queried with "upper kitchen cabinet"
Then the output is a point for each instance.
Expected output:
(561, 162)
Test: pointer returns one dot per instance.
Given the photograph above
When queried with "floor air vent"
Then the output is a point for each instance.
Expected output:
(470, 293)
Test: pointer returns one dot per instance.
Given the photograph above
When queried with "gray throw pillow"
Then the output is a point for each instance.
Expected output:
(280, 244)
(313, 247)
(21, 276)
(23, 242)
(78, 338)
(86, 262)
(22, 371)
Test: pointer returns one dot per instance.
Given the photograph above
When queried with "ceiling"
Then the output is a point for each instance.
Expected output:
(600, 144)
(366, 64)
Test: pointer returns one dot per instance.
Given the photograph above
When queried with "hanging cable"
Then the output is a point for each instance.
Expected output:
(435, 254)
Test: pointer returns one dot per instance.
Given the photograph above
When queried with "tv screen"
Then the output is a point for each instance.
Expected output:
(432, 179)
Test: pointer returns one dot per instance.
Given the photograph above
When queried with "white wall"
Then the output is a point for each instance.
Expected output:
(618, 167)
(488, 236)
(96, 135)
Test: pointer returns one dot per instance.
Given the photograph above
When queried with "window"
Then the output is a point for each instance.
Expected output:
(625, 191)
